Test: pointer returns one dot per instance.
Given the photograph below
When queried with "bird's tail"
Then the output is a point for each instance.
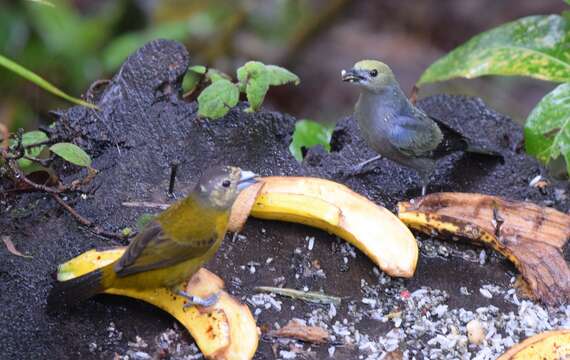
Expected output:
(73, 291)
(476, 149)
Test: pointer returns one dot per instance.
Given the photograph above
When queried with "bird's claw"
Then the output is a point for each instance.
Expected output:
(198, 301)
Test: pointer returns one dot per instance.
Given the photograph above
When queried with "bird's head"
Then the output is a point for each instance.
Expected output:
(219, 186)
(371, 75)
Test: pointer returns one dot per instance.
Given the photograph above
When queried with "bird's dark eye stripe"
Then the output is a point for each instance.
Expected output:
(373, 73)
(226, 183)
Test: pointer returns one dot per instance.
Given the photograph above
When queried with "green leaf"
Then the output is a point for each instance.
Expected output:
(281, 76)
(29, 138)
(535, 46)
(217, 99)
(199, 69)
(309, 133)
(254, 76)
(547, 130)
(72, 153)
(214, 75)
(30, 76)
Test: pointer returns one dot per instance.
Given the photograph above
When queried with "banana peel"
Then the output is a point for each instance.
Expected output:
(225, 330)
(530, 236)
(549, 345)
(335, 208)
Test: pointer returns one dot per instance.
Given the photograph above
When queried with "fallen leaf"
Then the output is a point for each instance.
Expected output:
(11, 248)
(297, 330)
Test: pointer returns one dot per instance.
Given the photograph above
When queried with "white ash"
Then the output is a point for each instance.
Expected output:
(265, 301)
(310, 242)
(347, 249)
(482, 257)
(287, 354)
(331, 351)
(486, 293)
(138, 355)
(138, 343)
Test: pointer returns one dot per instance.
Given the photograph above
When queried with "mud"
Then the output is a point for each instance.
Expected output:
(144, 127)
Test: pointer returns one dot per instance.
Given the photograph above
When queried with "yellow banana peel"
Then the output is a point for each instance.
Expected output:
(550, 345)
(335, 208)
(225, 330)
(530, 236)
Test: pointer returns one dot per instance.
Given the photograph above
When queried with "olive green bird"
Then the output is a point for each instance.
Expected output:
(396, 129)
(172, 247)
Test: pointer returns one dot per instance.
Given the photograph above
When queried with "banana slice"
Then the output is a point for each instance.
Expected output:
(226, 330)
(530, 236)
(335, 208)
(549, 345)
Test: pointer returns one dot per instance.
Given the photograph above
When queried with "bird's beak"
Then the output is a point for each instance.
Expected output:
(247, 178)
(351, 75)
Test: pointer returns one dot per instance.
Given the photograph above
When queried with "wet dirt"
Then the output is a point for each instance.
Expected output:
(144, 127)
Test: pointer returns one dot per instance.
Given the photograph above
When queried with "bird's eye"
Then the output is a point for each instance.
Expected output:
(226, 183)
(374, 73)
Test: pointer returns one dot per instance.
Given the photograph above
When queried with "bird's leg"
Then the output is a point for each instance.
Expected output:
(359, 168)
(198, 301)
(424, 190)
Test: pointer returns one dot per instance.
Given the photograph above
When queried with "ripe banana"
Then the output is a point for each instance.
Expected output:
(335, 208)
(226, 330)
(530, 236)
(549, 345)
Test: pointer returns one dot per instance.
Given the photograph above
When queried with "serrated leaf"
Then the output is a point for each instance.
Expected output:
(535, 46)
(217, 99)
(254, 76)
(307, 134)
(71, 153)
(547, 130)
(281, 76)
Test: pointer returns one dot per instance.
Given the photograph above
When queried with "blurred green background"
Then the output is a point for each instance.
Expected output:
(74, 43)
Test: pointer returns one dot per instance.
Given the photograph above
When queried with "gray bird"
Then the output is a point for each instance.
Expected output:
(396, 129)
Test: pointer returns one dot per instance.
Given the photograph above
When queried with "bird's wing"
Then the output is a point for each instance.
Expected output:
(413, 136)
(152, 249)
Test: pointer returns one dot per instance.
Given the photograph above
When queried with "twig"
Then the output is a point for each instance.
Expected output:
(19, 175)
(146, 204)
(86, 222)
(173, 170)
(309, 296)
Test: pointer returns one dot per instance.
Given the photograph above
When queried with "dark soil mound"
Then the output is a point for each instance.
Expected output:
(144, 127)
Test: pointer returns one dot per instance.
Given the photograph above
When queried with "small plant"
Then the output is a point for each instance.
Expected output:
(33, 152)
(534, 46)
(310, 133)
(253, 79)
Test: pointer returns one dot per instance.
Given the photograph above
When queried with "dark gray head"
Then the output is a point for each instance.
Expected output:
(371, 75)
(220, 185)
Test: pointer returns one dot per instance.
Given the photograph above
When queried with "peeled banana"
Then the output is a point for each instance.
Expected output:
(530, 236)
(335, 208)
(225, 330)
(550, 345)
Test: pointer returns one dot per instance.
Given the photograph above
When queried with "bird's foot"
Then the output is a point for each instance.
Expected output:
(198, 301)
